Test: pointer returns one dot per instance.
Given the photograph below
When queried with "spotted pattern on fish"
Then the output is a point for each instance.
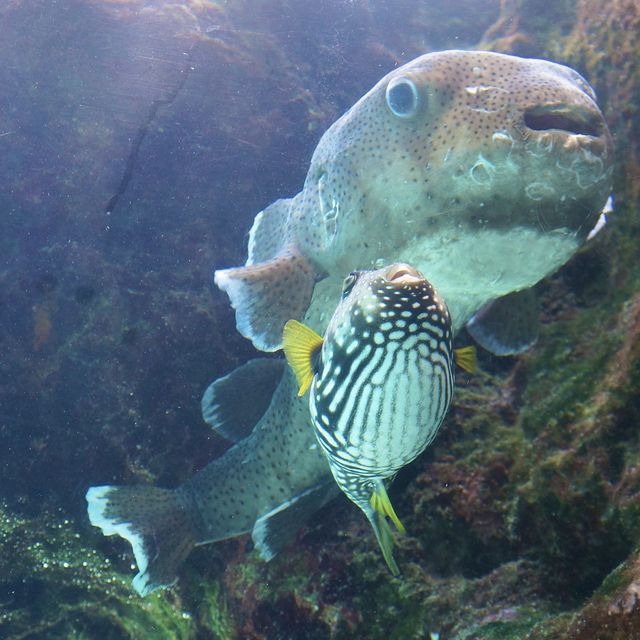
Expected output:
(386, 379)
(458, 163)
(471, 110)
(491, 183)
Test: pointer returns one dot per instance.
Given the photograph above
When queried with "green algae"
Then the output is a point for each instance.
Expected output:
(527, 618)
(567, 366)
(214, 611)
(615, 581)
(420, 605)
(532, 28)
(566, 496)
(55, 586)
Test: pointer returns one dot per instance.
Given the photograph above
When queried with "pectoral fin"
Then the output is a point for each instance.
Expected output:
(224, 403)
(508, 325)
(466, 358)
(274, 530)
(267, 294)
(300, 344)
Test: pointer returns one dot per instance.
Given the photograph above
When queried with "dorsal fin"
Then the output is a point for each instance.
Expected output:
(224, 403)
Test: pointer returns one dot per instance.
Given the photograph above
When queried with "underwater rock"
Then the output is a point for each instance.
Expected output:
(52, 585)
(523, 517)
(537, 461)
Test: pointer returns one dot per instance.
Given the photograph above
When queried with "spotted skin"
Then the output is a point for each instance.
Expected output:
(492, 184)
(502, 157)
(276, 467)
(385, 380)
(461, 152)
(266, 465)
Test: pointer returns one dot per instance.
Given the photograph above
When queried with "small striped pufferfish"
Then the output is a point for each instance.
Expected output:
(381, 382)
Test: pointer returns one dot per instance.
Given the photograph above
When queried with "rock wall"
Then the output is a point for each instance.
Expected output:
(136, 153)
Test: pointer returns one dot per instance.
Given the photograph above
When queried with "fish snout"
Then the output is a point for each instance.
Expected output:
(568, 119)
(570, 154)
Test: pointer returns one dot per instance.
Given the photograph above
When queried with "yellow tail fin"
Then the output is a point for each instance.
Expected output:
(382, 508)
(385, 540)
(300, 343)
(381, 503)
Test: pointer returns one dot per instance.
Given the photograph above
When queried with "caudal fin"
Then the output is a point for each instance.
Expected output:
(381, 509)
(384, 536)
(160, 525)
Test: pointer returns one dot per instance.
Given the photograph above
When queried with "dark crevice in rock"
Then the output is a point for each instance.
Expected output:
(137, 141)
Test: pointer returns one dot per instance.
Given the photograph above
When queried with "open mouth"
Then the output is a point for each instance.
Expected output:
(562, 117)
(403, 273)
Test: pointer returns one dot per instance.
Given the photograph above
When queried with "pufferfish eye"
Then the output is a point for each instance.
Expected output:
(403, 97)
(348, 283)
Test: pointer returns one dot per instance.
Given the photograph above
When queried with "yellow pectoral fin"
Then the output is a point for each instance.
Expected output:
(300, 343)
(381, 503)
(466, 359)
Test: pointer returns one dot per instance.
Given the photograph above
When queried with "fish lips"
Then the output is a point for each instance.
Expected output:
(564, 118)
(572, 128)
(403, 274)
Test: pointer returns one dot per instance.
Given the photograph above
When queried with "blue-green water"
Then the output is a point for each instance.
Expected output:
(138, 141)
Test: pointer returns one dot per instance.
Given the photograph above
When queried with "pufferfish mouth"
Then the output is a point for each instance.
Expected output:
(566, 118)
(403, 274)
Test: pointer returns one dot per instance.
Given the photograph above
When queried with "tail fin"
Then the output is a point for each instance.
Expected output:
(381, 508)
(384, 536)
(159, 524)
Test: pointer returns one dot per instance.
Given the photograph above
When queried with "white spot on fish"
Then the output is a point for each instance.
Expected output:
(353, 345)
(602, 220)
(326, 390)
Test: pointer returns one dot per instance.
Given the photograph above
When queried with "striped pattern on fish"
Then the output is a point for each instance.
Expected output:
(377, 366)
(382, 381)
(483, 170)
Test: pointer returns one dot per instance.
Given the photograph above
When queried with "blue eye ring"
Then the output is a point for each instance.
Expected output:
(349, 282)
(403, 97)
